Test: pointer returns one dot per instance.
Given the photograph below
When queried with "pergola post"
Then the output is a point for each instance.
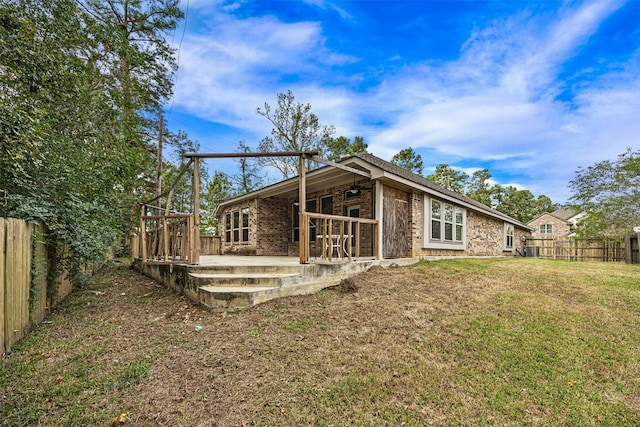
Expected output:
(303, 241)
(196, 211)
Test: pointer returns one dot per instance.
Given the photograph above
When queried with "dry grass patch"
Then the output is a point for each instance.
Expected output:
(459, 342)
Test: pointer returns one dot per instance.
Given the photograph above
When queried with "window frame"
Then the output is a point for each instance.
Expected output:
(236, 225)
(244, 224)
(330, 205)
(546, 228)
(236, 229)
(445, 228)
(509, 237)
(227, 228)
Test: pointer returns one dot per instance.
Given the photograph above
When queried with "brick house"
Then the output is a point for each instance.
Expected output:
(415, 217)
(553, 225)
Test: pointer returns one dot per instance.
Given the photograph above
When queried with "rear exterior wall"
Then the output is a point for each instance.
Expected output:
(485, 235)
(271, 230)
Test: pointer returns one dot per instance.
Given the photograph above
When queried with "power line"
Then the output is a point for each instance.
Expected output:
(184, 30)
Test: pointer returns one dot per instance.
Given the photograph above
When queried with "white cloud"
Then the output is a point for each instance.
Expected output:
(497, 102)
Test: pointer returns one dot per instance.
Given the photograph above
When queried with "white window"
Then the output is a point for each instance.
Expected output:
(227, 228)
(444, 225)
(508, 237)
(245, 224)
(546, 229)
(237, 226)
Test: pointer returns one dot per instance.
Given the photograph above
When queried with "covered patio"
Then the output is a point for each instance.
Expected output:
(318, 235)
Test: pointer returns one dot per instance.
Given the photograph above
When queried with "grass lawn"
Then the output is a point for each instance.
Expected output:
(458, 342)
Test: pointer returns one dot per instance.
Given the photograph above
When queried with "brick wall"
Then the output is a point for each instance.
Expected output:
(271, 223)
(560, 228)
(271, 226)
(416, 222)
(239, 248)
(484, 235)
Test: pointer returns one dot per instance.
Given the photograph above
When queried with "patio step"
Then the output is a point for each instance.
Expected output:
(245, 287)
(249, 269)
(236, 297)
(241, 279)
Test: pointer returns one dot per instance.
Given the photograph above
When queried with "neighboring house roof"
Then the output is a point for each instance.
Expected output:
(393, 173)
(563, 214)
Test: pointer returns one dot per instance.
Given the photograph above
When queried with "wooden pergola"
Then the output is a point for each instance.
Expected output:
(190, 234)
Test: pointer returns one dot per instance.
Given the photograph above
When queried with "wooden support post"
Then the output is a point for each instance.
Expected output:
(303, 240)
(323, 248)
(143, 236)
(184, 246)
(190, 246)
(196, 211)
(174, 244)
(376, 250)
(165, 238)
(349, 237)
(379, 215)
(357, 239)
(341, 241)
(330, 238)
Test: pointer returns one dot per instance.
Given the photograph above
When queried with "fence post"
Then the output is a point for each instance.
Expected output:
(3, 344)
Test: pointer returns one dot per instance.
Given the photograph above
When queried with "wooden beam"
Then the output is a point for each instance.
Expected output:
(304, 154)
(182, 172)
(340, 166)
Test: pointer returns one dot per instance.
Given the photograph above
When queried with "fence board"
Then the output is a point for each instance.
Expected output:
(3, 347)
(12, 286)
(210, 245)
(17, 282)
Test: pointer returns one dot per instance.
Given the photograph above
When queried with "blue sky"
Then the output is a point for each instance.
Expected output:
(531, 90)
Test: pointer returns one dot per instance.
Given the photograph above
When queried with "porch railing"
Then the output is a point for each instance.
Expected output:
(168, 238)
(334, 237)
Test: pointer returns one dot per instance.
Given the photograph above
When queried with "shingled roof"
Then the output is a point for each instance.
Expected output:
(390, 168)
(564, 214)
(434, 186)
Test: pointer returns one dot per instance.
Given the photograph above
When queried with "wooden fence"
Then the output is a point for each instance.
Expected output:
(210, 245)
(23, 262)
(584, 250)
